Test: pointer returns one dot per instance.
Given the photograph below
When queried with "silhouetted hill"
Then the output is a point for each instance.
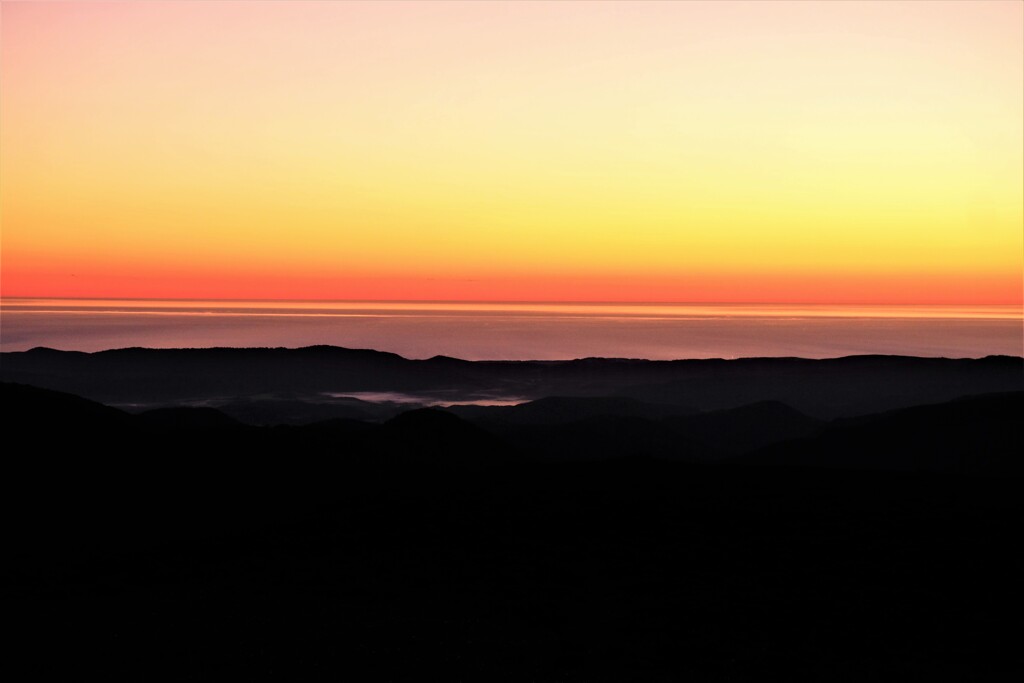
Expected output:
(974, 435)
(839, 387)
(153, 374)
(743, 429)
(427, 546)
(41, 409)
(249, 380)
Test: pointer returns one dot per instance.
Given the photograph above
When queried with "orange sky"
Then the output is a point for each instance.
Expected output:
(779, 152)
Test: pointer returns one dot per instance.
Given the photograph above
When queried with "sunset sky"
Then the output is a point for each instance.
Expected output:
(730, 151)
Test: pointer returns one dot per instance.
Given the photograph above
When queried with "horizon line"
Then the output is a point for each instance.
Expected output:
(566, 359)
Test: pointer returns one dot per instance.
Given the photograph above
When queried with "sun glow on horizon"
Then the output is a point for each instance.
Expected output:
(800, 152)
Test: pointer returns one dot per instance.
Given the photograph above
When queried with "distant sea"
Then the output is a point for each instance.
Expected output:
(518, 331)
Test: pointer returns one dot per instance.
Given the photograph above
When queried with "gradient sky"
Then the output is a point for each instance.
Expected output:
(688, 151)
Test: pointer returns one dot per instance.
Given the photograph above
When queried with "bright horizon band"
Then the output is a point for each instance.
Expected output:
(853, 152)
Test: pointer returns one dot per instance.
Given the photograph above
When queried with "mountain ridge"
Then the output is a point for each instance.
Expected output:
(820, 388)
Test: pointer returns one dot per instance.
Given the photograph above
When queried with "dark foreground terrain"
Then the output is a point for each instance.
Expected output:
(593, 538)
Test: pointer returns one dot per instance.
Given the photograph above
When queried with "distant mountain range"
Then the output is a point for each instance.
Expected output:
(270, 386)
(976, 434)
(762, 519)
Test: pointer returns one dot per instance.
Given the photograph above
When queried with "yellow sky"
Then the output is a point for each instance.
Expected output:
(690, 151)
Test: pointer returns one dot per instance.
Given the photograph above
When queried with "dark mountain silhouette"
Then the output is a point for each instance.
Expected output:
(743, 429)
(583, 547)
(840, 387)
(152, 374)
(975, 435)
(250, 380)
(30, 405)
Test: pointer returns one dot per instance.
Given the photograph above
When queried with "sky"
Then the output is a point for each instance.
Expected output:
(829, 152)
